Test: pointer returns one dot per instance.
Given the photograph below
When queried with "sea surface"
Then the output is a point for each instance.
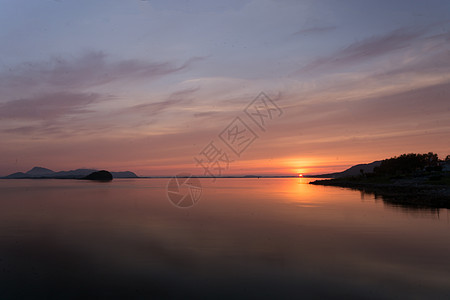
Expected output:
(246, 238)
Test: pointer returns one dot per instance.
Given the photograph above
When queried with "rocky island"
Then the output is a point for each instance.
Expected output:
(99, 176)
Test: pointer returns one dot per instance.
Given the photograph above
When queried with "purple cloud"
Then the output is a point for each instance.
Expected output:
(436, 61)
(48, 107)
(47, 92)
(366, 49)
(153, 108)
(88, 70)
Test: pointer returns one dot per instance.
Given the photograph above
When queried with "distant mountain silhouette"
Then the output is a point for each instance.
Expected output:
(352, 171)
(78, 173)
(99, 176)
(125, 174)
(39, 172)
(17, 175)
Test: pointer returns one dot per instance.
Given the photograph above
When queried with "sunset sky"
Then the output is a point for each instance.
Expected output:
(146, 86)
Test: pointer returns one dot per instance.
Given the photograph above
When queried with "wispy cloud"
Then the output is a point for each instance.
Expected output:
(431, 57)
(364, 50)
(37, 132)
(48, 107)
(55, 96)
(172, 101)
(88, 70)
(315, 30)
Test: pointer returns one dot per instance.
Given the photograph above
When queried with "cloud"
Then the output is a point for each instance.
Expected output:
(48, 107)
(37, 132)
(88, 70)
(61, 114)
(366, 49)
(407, 111)
(432, 57)
(197, 6)
(21, 130)
(206, 114)
(154, 108)
(315, 30)
(54, 97)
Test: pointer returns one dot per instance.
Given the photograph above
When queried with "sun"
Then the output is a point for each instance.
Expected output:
(300, 175)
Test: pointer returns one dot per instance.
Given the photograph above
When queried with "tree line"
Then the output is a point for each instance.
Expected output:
(410, 163)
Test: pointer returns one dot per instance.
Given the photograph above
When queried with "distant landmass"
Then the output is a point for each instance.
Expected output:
(99, 176)
(39, 172)
(352, 171)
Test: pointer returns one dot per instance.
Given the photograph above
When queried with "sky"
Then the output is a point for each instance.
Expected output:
(160, 87)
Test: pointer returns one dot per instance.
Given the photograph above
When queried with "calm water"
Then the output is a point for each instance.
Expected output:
(246, 238)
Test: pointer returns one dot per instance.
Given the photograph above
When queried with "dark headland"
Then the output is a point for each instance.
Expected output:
(421, 180)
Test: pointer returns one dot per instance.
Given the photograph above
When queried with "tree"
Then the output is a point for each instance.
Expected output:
(447, 158)
(431, 159)
(407, 163)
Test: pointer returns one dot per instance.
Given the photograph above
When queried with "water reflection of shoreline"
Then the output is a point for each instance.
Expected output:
(405, 207)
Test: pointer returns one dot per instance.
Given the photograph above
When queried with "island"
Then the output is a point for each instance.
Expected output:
(102, 175)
